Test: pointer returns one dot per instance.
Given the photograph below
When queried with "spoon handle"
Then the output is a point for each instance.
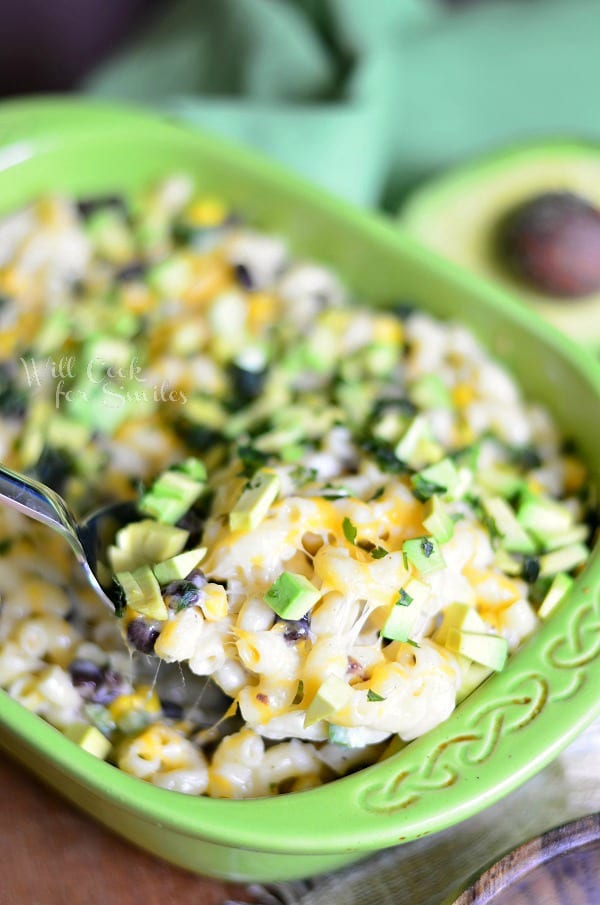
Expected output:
(39, 502)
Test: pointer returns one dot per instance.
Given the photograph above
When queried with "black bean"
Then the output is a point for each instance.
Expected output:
(180, 594)
(531, 569)
(526, 457)
(86, 207)
(135, 270)
(171, 709)
(111, 687)
(297, 629)
(247, 385)
(86, 676)
(243, 276)
(197, 578)
(403, 309)
(142, 635)
(193, 523)
(98, 684)
(198, 437)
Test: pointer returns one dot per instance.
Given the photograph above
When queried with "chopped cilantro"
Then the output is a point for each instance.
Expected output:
(424, 490)
(299, 693)
(384, 455)
(13, 398)
(302, 475)
(119, 599)
(350, 531)
(199, 437)
(335, 493)
(379, 552)
(401, 405)
(373, 696)
(525, 457)
(404, 599)
(377, 495)
(252, 459)
(427, 547)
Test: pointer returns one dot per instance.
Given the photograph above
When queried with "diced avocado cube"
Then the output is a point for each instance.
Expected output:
(389, 427)
(89, 738)
(143, 594)
(255, 501)
(488, 650)
(170, 496)
(500, 480)
(292, 596)
(167, 510)
(205, 412)
(379, 358)
(474, 676)
(438, 520)
(64, 433)
(515, 538)
(109, 233)
(178, 567)
(563, 560)
(430, 392)
(424, 553)
(405, 613)
(509, 564)
(332, 696)
(99, 716)
(561, 585)
(417, 446)
(575, 535)
(146, 542)
(170, 277)
(459, 616)
(545, 519)
(192, 467)
(442, 478)
(417, 591)
(177, 484)
(401, 622)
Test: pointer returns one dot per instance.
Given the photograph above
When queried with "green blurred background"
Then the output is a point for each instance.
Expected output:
(365, 97)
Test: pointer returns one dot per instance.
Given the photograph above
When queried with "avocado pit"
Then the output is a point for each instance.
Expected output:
(552, 241)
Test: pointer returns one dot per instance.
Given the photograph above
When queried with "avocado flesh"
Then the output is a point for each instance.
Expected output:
(458, 216)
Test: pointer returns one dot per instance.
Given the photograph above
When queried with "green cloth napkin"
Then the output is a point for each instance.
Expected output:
(368, 98)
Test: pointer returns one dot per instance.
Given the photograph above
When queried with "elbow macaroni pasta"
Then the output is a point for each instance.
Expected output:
(166, 332)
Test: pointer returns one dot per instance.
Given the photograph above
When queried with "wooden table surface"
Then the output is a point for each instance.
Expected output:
(54, 855)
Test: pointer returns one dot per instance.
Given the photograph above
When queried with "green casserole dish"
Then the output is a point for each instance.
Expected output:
(505, 731)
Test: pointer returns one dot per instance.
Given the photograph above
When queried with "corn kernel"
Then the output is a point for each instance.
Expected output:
(207, 211)
(214, 602)
(144, 699)
(262, 311)
(388, 330)
(463, 394)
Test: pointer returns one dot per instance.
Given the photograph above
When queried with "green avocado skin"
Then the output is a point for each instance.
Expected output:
(458, 213)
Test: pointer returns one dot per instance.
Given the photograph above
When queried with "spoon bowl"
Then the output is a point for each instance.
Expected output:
(88, 539)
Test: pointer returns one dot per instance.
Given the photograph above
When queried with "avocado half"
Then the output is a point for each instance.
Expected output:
(459, 215)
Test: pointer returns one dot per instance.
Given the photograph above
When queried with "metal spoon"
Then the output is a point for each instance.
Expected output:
(88, 539)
